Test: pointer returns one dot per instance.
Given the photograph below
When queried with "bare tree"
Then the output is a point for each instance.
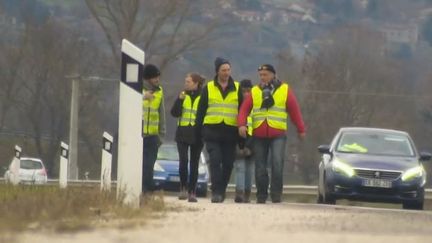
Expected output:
(348, 81)
(165, 29)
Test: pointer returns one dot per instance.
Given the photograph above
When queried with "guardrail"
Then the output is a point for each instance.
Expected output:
(287, 189)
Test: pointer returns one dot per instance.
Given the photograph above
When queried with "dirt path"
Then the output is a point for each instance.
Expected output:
(230, 222)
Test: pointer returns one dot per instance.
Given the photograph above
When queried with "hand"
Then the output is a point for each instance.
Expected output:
(159, 141)
(241, 152)
(243, 131)
(182, 95)
(302, 136)
(247, 152)
(148, 95)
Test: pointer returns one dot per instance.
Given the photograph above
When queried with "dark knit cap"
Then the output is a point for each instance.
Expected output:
(219, 62)
(246, 83)
(150, 71)
(267, 67)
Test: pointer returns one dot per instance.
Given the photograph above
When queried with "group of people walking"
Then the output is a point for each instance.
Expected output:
(229, 117)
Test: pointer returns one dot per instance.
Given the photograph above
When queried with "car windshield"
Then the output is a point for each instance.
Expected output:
(168, 153)
(376, 143)
(30, 165)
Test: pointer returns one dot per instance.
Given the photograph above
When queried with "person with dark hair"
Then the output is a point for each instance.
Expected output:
(185, 108)
(217, 114)
(270, 104)
(244, 166)
(153, 123)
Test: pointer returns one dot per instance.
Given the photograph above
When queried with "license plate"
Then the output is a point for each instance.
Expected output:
(377, 183)
(174, 178)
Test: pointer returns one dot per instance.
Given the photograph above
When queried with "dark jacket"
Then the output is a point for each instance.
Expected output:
(221, 131)
(185, 134)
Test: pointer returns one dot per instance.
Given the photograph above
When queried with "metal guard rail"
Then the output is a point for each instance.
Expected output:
(287, 189)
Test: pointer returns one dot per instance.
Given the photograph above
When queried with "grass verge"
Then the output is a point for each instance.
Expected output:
(74, 208)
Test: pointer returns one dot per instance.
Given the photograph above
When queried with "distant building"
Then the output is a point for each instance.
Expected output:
(400, 34)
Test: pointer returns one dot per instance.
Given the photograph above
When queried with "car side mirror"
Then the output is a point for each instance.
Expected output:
(425, 156)
(324, 149)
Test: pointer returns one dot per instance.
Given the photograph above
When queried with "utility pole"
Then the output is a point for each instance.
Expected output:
(73, 128)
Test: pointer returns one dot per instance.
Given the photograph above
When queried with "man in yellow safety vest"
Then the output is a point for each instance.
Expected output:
(217, 115)
(271, 103)
(153, 123)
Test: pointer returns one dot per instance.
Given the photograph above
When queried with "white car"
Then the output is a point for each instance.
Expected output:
(32, 171)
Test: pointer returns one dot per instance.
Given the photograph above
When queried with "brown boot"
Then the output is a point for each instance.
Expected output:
(239, 196)
(247, 196)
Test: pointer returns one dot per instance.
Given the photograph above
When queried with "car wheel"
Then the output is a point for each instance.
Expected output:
(418, 205)
(327, 198)
(415, 205)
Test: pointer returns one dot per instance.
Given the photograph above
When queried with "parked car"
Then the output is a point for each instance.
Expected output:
(371, 164)
(166, 171)
(32, 171)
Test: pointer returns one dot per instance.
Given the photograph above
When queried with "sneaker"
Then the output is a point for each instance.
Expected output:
(183, 195)
(276, 199)
(192, 197)
(216, 198)
(247, 196)
(239, 196)
(260, 201)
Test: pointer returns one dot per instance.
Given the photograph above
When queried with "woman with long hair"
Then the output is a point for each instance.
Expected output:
(187, 137)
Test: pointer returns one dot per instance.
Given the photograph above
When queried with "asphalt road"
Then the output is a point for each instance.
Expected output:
(285, 222)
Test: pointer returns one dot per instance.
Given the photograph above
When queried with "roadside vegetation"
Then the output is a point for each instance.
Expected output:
(70, 209)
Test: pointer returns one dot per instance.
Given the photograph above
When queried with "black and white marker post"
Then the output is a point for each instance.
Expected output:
(16, 165)
(106, 163)
(129, 170)
(64, 163)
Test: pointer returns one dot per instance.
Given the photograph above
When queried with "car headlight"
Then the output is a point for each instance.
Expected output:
(342, 168)
(413, 173)
(158, 167)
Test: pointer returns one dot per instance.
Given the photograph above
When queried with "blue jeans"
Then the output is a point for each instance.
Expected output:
(269, 151)
(244, 170)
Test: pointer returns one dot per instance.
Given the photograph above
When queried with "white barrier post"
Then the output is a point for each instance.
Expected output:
(129, 170)
(64, 160)
(15, 166)
(107, 142)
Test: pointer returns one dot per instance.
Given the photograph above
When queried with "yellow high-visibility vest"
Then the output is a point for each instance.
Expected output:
(276, 116)
(354, 147)
(151, 113)
(220, 109)
(189, 111)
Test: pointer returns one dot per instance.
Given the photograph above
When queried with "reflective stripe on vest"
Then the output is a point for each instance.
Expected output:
(249, 125)
(220, 109)
(276, 115)
(151, 113)
(189, 111)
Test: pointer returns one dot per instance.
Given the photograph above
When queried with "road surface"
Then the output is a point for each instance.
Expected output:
(248, 223)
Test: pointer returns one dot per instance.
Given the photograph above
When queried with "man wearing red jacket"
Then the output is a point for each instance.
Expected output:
(270, 104)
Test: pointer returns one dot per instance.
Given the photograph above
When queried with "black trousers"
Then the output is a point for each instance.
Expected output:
(222, 155)
(193, 162)
(150, 150)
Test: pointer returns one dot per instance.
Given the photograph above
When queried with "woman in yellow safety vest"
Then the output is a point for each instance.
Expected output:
(185, 108)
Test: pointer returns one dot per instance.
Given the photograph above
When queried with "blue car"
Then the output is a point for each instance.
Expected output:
(371, 164)
(166, 171)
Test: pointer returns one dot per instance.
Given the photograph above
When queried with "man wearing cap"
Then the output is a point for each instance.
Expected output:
(271, 102)
(217, 122)
(153, 123)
